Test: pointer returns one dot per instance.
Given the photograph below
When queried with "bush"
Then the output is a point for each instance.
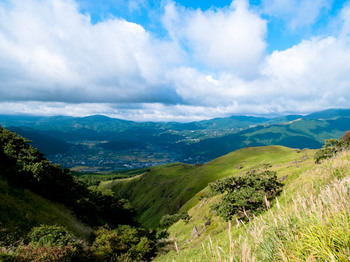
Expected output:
(46, 243)
(201, 195)
(331, 148)
(4, 257)
(51, 236)
(124, 243)
(245, 195)
(45, 253)
(162, 233)
(168, 220)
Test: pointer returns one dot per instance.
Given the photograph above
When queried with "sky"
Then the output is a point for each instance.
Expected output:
(167, 60)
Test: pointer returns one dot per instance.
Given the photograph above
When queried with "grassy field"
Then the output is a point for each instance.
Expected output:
(309, 221)
(169, 188)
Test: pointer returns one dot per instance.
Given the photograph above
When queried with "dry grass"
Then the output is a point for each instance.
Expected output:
(313, 226)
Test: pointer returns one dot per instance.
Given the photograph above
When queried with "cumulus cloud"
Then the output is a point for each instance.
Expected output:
(51, 52)
(212, 63)
(232, 38)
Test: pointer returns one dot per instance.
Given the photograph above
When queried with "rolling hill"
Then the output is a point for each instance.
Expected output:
(309, 220)
(168, 188)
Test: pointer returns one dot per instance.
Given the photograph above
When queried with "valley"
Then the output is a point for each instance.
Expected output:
(102, 144)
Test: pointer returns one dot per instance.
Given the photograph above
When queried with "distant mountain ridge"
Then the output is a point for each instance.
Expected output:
(191, 142)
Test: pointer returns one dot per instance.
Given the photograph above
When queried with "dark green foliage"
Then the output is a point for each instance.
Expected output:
(25, 167)
(4, 257)
(47, 144)
(245, 195)
(45, 235)
(168, 220)
(331, 148)
(162, 233)
(46, 243)
(124, 243)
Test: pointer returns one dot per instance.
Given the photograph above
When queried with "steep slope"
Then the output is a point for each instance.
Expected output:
(34, 191)
(37, 200)
(166, 189)
(21, 210)
(310, 221)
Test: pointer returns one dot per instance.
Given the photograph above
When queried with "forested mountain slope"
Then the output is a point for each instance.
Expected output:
(74, 141)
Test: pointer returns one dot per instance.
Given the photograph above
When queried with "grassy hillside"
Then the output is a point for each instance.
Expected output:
(21, 210)
(308, 222)
(167, 189)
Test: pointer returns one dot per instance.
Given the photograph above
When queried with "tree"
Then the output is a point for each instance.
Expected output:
(330, 149)
(245, 195)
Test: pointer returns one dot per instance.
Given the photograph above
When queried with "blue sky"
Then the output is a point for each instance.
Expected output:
(167, 60)
(147, 13)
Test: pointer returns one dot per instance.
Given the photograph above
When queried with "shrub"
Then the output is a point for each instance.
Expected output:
(245, 195)
(331, 148)
(168, 220)
(201, 195)
(124, 243)
(45, 253)
(4, 257)
(161, 233)
(46, 235)
(49, 243)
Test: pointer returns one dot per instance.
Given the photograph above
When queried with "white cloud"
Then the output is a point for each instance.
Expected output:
(53, 60)
(49, 51)
(297, 13)
(314, 71)
(231, 38)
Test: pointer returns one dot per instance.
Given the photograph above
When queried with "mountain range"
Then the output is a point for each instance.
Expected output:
(74, 141)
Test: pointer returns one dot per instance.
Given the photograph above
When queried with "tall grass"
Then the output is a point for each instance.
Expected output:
(313, 226)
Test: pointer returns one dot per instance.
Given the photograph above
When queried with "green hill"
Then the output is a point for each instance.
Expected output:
(167, 189)
(309, 221)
